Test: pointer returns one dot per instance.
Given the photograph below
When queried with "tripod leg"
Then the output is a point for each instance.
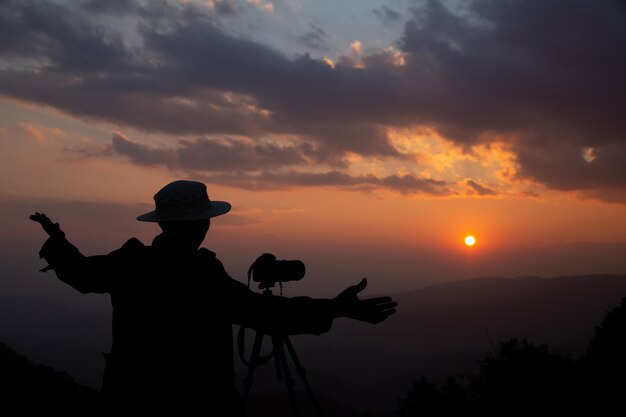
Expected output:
(281, 362)
(301, 372)
(254, 359)
(277, 344)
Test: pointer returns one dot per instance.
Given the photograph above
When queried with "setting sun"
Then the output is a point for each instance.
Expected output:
(470, 240)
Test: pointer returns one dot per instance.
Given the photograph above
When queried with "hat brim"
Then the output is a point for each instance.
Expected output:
(216, 208)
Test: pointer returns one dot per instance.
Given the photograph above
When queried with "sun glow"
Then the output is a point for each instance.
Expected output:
(470, 240)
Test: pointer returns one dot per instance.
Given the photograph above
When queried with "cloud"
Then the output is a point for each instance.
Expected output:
(478, 188)
(387, 15)
(245, 164)
(114, 7)
(262, 5)
(58, 37)
(140, 154)
(225, 154)
(522, 71)
(612, 195)
(266, 180)
(564, 166)
(514, 70)
(225, 7)
(35, 132)
(524, 68)
(41, 134)
(315, 38)
(191, 79)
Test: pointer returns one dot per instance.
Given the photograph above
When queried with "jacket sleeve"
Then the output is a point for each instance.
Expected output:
(268, 314)
(271, 314)
(87, 274)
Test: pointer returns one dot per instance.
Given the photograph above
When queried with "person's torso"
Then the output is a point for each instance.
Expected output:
(169, 321)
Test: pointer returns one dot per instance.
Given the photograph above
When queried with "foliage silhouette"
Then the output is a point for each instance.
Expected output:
(521, 373)
(427, 399)
(521, 378)
(604, 365)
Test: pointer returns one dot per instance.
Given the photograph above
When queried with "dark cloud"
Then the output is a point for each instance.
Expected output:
(269, 180)
(226, 7)
(141, 154)
(611, 194)
(108, 100)
(316, 38)
(505, 69)
(212, 155)
(527, 66)
(528, 69)
(387, 15)
(245, 164)
(479, 188)
(110, 6)
(226, 83)
(59, 38)
(570, 167)
(209, 155)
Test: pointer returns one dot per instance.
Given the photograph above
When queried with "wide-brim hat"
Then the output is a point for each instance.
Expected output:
(184, 200)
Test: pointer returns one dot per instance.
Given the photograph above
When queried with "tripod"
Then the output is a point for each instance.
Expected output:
(279, 342)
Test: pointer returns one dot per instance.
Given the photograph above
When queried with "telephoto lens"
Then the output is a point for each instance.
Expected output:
(287, 270)
(268, 270)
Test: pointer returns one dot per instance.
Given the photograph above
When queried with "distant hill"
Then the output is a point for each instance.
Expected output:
(63, 329)
(29, 387)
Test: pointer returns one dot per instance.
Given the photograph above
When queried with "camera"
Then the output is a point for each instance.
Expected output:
(267, 270)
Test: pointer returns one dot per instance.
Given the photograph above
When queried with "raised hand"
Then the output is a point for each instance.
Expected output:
(370, 310)
(52, 229)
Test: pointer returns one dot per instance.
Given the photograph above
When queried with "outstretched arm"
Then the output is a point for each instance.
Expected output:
(370, 310)
(84, 273)
(302, 315)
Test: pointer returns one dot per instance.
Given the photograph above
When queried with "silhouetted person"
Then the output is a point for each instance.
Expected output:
(174, 305)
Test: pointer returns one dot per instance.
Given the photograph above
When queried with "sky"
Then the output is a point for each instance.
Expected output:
(366, 138)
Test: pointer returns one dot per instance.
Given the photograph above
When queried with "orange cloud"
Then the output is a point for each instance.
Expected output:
(40, 133)
(34, 132)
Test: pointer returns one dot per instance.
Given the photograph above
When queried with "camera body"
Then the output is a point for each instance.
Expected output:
(267, 270)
